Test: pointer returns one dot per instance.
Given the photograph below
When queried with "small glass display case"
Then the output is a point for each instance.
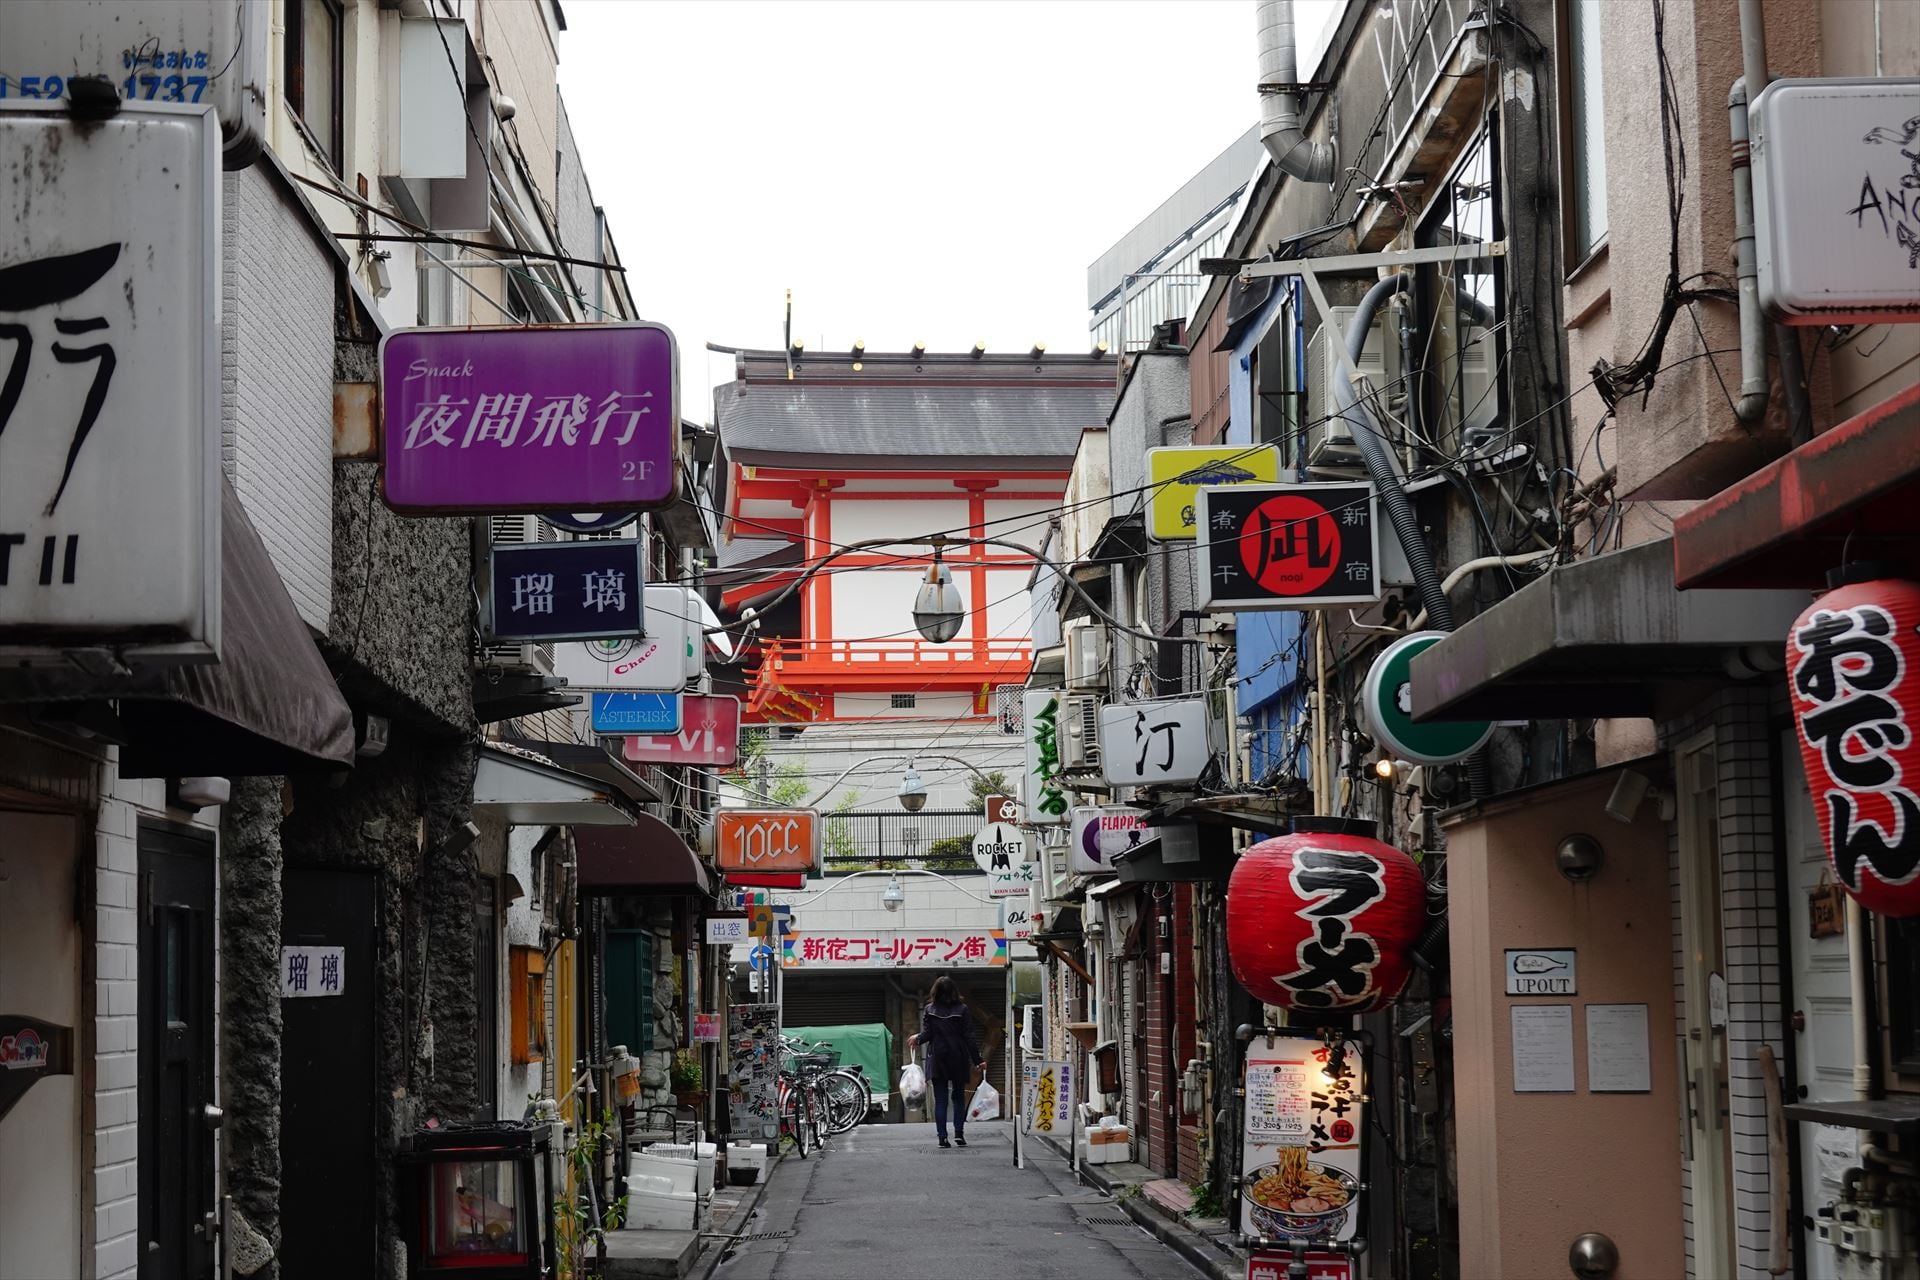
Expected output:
(478, 1201)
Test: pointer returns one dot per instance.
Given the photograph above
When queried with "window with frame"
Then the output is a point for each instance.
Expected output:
(1279, 399)
(1583, 130)
(1462, 399)
(528, 1015)
(314, 77)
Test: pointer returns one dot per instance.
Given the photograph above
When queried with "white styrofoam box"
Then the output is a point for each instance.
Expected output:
(747, 1155)
(659, 1174)
(661, 1211)
(1836, 232)
(698, 1154)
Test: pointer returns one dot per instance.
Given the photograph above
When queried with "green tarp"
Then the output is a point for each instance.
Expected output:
(866, 1044)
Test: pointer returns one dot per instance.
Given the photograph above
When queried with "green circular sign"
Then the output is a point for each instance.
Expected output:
(1387, 705)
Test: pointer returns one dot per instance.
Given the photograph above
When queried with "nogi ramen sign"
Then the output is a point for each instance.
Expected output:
(1303, 1136)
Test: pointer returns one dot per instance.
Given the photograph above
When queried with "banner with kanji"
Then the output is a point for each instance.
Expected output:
(893, 948)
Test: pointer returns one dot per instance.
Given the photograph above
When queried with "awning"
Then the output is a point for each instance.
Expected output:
(1178, 852)
(529, 791)
(1600, 637)
(648, 857)
(595, 762)
(269, 706)
(1853, 490)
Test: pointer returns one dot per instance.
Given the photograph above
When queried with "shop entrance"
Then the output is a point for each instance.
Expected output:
(1703, 1023)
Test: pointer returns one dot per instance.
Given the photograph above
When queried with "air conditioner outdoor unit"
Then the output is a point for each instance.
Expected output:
(1080, 734)
(1330, 437)
(1086, 655)
(522, 656)
(1032, 1033)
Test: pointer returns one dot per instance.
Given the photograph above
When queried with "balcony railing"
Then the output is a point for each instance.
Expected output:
(837, 657)
(932, 840)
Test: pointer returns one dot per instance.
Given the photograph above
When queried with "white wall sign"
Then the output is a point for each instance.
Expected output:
(1542, 1048)
(312, 971)
(670, 656)
(1542, 971)
(1619, 1058)
(725, 930)
(1154, 743)
(998, 847)
(109, 381)
(1016, 920)
(1102, 831)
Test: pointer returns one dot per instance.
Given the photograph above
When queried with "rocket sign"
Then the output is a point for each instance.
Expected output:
(1288, 546)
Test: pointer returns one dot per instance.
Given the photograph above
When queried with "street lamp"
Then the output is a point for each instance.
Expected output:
(894, 894)
(938, 609)
(913, 792)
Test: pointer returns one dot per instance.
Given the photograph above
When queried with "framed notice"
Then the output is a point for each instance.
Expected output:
(1303, 1130)
(1619, 1057)
(1542, 1048)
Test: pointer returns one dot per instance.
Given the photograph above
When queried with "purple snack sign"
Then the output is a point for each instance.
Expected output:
(537, 418)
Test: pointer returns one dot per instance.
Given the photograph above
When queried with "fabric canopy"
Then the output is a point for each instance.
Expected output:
(868, 1045)
(269, 706)
(648, 857)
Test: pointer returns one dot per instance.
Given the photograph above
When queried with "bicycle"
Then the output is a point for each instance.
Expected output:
(846, 1093)
(799, 1119)
(804, 1097)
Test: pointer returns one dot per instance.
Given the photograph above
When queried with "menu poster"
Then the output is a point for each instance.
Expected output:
(1543, 1048)
(1619, 1057)
(1302, 1160)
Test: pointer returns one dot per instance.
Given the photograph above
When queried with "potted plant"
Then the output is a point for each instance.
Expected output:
(689, 1082)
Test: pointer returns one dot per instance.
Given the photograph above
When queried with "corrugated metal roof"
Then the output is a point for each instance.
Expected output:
(1031, 427)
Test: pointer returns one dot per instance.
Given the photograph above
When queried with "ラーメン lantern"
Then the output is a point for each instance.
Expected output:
(1853, 672)
(1324, 920)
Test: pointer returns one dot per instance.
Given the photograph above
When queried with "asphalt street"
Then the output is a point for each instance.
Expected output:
(885, 1201)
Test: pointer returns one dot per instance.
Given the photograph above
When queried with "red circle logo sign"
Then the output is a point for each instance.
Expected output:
(1290, 545)
(1342, 1130)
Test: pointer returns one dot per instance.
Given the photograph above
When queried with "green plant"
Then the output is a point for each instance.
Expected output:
(950, 853)
(1206, 1201)
(687, 1075)
(579, 1220)
(979, 787)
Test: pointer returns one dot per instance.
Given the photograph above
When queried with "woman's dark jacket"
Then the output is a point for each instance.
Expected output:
(946, 1033)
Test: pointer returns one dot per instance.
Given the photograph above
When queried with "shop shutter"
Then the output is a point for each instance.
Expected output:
(630, 989)
(833, 1002)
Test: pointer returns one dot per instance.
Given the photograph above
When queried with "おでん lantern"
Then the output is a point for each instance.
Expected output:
(1853, 672)
(1324, 919)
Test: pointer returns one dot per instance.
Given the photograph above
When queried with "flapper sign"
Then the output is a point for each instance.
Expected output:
(1324, 919)
(1854, 701)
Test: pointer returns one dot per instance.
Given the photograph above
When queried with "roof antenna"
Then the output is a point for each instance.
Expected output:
(789, 335)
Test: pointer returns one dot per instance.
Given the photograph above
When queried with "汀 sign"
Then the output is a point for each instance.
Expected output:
(766, 840)
(1289, 546)
(199, 52)
(725, 930)
(566, 590)
(312, 971)
(1176, 474)
(1046, 1096)
(1302, 1162)
(1267, 1264)
(664, 659)
(623, 713)
(1102, 831)
(110, 484)
(531, 418)
(1154, 743)
(1042, 802)
(709, 734)
(893, 948)
(1542, 971)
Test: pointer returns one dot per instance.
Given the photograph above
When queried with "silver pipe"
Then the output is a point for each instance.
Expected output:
(1280, 129)
(1753, 335)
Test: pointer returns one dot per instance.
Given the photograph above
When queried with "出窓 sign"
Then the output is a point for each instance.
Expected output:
(1288, 546)
(567, 590)
(110, 484)
(536, 418)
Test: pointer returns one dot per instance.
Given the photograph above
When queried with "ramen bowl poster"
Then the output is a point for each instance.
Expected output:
(1302, 1158)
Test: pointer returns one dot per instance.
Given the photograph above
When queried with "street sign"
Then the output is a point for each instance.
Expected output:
(1145, 744)
(622, 713)
(1046, 1096)
(709, 734)
(1386, 704)
(477, 421)
(1176, 474)
(664, 659)
(1002, 809)
(760, 958)
(726, 930)
(760, 920)
(893, 949)
(566, 590)
(998, 847)
(1042, 802)
(1100, 832)
(762, 840)
(1289, 546)
(110, 485)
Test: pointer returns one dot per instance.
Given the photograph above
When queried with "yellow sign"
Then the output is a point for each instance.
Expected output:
(1175, 475)
(760, 920)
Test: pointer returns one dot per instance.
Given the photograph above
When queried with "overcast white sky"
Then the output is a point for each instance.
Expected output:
(922, 170)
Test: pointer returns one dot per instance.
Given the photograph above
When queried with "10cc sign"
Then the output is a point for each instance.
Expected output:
(110, 481)
(756, 840)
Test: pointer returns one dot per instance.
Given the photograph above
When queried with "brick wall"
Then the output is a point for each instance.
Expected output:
(276, 382)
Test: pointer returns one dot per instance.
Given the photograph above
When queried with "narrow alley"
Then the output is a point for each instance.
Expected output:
(884, 1200)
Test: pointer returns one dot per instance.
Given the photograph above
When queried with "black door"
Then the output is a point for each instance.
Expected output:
(486, 982)
(328, 1175)
(177, 1221)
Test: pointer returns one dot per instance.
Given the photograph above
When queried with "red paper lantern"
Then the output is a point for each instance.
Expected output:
(1324, 919)
(1853, 672)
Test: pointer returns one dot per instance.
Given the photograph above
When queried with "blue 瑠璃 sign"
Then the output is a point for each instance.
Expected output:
(636, 713)
(568, 591)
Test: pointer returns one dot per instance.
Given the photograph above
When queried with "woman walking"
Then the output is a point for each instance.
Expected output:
(946, 1029)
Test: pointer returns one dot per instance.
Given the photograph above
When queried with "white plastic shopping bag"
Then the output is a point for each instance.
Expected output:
(986, 1103)
(913, 1084)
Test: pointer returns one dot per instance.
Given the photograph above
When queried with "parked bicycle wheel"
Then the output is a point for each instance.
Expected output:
(849, 1098)
(793, 1116)
(817, 1111)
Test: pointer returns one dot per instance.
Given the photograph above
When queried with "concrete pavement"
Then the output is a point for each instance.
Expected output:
(884, 1201)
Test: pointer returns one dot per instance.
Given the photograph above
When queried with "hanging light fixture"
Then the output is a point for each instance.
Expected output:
(938, 609)
(913, 792)
(894, 894)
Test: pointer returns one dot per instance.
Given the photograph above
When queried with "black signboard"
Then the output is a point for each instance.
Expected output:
(1288, 546)
(567, 591)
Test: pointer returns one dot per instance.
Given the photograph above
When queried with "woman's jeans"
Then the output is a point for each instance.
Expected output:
(940, 1089)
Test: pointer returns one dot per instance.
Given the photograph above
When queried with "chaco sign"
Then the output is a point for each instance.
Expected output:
(756, 840)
